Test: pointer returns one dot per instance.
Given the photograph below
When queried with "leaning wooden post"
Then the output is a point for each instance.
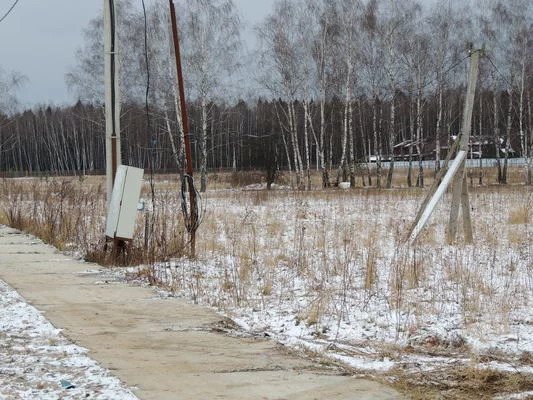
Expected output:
(460, 188)
(112, 96)
(457, 169)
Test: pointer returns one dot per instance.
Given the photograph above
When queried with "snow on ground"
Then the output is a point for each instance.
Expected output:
(328, 273)
(37, 362)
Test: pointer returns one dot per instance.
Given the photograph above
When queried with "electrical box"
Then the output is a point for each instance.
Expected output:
(122, 211)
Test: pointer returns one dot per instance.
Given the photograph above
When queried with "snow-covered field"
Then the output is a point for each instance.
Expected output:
(38, 363)
(327, 272)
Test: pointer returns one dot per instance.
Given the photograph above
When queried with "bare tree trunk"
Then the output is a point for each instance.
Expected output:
(315, 138)
(364, 141)
(411, 137)
(285, 146)
(306, 139)
(203, 148)
(530, 146)
(392, 139)
(497, 142)
(377, 145)
(342, 164)
(325, 174)
(213, 143)
(419, 147)
(480, 140)
(523, 137)
(295, 147)
(19, 166)
(330, 144)
(351, 159)
(507, 136)
(438, 131)
(176, 149)
(347, 101)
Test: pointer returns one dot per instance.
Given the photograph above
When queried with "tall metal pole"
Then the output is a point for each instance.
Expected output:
(193, 218)
(112, 96)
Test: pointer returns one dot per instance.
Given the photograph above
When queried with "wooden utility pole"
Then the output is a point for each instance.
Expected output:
(460, 188)
(192, 218)
(112, 96)
(457, 169)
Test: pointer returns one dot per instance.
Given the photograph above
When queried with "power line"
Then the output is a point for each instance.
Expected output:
(148, 120)
(499, 72)
(444, 73)
(436, 78)
(9, 11)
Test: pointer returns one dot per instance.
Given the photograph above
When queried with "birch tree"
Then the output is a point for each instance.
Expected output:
(10, 82)
(323, 22)
(395, 24)
(349, 16)
(518, 15)
(211, 47)
(508, 27)
(86, 78)
(417, 60)
(283, 76)
(370, 55)
(441, 21)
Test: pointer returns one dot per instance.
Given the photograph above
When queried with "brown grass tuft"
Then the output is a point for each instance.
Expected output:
(519, 215)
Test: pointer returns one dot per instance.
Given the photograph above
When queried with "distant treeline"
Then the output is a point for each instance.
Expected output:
(240, 136)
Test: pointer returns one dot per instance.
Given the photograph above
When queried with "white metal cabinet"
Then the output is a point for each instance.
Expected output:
(123, 206)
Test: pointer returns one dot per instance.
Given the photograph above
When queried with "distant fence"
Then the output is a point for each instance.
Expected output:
(470, 163)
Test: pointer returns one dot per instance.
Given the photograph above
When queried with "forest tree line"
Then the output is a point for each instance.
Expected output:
(330, 85)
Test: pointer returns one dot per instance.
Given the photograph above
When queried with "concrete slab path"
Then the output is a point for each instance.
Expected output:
(163, 348)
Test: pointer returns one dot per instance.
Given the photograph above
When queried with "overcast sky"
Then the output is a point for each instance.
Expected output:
(39, 39)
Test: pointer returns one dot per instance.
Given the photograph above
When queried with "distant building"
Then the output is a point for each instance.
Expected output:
(479, 147)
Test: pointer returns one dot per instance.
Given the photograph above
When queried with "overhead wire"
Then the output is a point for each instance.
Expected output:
(9, 11)
(454, 65)
(513, 106)
(445, 72)
(191, 225)
(148, 121)
(405, 102)
(498, 71)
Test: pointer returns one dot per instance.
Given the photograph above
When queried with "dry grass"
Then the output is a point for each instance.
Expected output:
(462, 382)
(222, 180)
(519, 215)
(70, 214)
(343, 249)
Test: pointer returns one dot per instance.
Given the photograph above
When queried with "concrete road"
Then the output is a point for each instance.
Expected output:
(163, 348)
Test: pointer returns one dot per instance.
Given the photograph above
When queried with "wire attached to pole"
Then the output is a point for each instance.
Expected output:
(148, 122)
(499, 72)
(191, 224)
(9, 11)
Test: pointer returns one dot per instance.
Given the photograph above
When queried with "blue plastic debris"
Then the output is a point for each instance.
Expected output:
(66, 384)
